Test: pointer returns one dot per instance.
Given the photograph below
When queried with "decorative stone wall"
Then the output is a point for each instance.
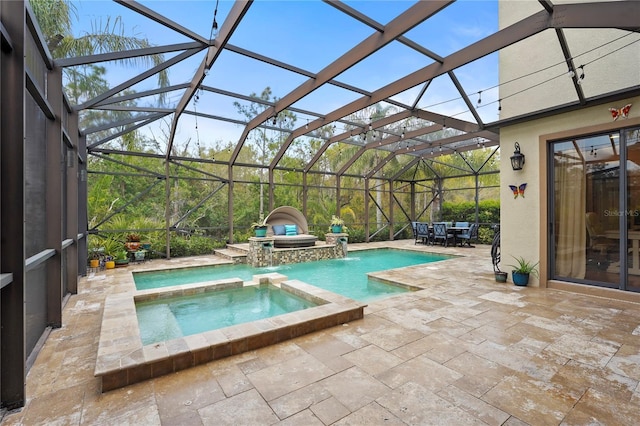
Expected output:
(335, 239)
(262, 253)
(259, 251)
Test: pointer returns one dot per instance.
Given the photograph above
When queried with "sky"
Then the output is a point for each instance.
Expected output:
(308, 34)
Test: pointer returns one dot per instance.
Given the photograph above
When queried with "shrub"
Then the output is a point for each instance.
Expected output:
(488, 211)
(193, 245)
(485, 234)
(356, 235)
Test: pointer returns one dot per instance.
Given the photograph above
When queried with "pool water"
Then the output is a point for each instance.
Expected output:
(165, 319)
(346, 276)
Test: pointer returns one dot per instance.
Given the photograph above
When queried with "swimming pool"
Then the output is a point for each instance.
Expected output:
(345, 276)
(165, 319)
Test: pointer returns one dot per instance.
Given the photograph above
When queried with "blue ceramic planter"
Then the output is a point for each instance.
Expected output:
(519, 278)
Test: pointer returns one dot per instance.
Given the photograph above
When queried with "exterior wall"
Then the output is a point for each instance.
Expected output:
(523, 221)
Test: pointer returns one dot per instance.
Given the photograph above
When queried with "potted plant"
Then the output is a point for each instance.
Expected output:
(139, 255)
(96, 252)
(111, 249)
(337, 225)
(133, 242)
(259, 228)
(121, 258)
(94, 260)
(522, 269)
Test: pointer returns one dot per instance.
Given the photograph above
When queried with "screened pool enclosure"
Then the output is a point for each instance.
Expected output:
(382, 112)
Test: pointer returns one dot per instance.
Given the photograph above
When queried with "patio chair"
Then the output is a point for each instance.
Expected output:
(468, 236)
(415, 231)
(599, 245)
(441, 233)
(597, 239)
(422, 232)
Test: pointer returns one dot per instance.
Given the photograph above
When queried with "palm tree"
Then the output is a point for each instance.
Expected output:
(55, 19)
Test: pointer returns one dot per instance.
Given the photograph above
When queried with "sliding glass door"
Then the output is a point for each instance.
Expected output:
(595, 210)
(631, 137)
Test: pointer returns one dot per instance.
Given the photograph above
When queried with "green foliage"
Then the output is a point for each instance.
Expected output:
(193, 245)
(259, 224)
(465, 211)
(55, 18)
(111, 246)
(488, 211)
(356, 235)
(485, 235)
(524, 266)
(336, 221)
(121, 255)
(129, 185)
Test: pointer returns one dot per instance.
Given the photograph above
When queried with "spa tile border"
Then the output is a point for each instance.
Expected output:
(122, 359)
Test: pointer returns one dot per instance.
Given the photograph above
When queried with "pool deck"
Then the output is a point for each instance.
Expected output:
(464, 350)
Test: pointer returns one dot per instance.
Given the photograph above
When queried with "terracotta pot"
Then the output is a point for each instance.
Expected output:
(132, 245)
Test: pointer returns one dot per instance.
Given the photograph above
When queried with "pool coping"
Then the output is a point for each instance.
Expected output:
(123, 360)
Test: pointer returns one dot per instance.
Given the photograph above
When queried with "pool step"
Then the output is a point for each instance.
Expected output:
(236, 256)
(240, 247)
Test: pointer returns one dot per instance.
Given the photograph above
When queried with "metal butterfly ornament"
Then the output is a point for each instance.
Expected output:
(518, 190)
(620, 112)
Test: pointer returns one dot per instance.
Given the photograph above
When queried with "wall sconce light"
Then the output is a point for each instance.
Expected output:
(517, 159)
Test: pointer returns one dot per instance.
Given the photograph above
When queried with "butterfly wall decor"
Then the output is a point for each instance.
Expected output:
(518, 190)
(620, 112)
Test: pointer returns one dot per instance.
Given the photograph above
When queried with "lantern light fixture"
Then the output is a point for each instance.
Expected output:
(517, 159)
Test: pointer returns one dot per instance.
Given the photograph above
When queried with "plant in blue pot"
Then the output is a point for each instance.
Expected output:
(337, 225)
(259, 228)
(522, 270)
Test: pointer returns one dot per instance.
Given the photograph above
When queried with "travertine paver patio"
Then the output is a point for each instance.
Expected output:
(465, 350)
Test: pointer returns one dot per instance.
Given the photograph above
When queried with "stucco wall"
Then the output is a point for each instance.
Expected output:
(523, 220)
(533, 77)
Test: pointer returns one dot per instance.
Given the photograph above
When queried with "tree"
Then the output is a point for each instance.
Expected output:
(55, 18)
(82, 83)
(266, 143)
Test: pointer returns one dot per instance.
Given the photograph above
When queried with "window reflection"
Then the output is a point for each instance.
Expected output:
(586, 202)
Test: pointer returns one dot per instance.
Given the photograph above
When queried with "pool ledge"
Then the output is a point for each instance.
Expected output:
(123, 360)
